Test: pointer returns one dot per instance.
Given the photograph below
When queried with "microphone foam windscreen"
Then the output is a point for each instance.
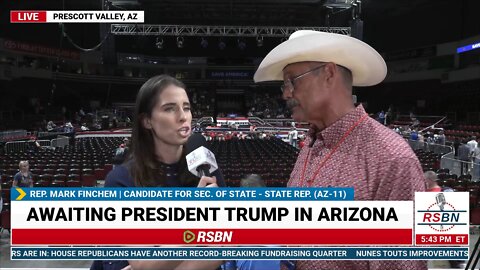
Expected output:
(195, 141)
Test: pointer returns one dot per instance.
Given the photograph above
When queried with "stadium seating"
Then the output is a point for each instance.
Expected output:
(86, 162)
(5, 220)
(272, 159)
(429, 160)
(90, 159)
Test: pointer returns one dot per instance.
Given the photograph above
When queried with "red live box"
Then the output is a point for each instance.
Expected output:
(441, 239)
(28, 16)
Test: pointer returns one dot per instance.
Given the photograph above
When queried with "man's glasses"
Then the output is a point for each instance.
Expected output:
(289, 83)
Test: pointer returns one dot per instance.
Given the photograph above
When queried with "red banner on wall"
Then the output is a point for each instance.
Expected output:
(19, 46)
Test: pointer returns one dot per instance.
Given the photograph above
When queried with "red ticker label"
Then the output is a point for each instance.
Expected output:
(28, 16)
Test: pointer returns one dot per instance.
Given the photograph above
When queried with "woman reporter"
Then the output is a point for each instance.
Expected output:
(161, 128)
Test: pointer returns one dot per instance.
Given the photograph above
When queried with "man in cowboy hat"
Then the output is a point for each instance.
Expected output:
(344, 147)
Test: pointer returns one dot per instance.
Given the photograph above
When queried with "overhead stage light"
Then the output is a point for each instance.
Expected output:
(259, 41)
(180, 42)
(159, 43)
(221, 44)
(241, 44)
(204, 43)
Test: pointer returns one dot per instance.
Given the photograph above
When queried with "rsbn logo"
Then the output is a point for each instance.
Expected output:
(208, 236)
(441, 215)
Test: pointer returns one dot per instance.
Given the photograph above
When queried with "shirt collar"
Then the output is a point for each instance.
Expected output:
(331, 134)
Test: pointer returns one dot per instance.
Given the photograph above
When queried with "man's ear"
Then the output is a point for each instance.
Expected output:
(147, 123)
(330, 71)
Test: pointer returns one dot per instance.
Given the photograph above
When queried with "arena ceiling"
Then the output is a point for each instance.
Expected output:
(262, 12)
(389, 24)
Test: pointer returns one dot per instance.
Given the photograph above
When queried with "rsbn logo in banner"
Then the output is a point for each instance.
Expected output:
(207, 236)
(442, 218)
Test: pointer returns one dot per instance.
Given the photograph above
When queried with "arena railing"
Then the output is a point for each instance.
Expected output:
(22, 146)
(258, 121)
(424, 119)
(205, 120)
(447, 159)
(431, 147)
(4, 135)
(47, 133)
(279, 122)
(461, 167)
(286, 122)
(61, 141)
(45, 143)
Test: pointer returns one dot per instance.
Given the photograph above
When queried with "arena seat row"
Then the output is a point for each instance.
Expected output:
(429, 160)
(272, 159)
(475, 128)
(88, 158)
(78, 165)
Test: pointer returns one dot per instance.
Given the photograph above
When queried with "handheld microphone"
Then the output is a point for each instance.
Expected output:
(200, 160)
(440, 200)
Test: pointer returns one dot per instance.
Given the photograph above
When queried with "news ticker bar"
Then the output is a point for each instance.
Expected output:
(239, 253)
(182, 194)
(77, 16)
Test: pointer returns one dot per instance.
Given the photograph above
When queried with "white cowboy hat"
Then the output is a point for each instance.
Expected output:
(365, 63)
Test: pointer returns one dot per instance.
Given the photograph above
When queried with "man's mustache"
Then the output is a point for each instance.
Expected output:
(292, 103)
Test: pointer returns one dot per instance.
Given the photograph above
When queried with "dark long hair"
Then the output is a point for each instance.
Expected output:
(145, 168)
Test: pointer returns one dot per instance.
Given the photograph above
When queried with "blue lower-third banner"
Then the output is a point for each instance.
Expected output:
(238, 253)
